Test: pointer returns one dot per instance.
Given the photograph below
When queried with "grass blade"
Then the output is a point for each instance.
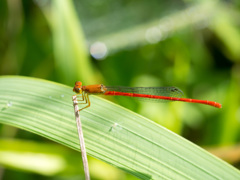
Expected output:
(112, 134)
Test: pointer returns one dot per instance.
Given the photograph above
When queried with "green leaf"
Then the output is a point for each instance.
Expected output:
(71, 53)
(51, 158)
(112, 134)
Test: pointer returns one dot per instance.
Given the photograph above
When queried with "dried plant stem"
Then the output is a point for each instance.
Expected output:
(81, 139)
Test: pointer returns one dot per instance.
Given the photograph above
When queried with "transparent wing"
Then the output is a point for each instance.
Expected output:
(158, 91)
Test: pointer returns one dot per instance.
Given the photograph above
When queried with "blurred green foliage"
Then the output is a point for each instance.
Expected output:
(193, 45)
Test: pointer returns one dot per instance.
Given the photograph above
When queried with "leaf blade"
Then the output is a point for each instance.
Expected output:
(112, 134)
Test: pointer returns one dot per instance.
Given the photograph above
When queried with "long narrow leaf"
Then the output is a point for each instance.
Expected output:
(112, 134)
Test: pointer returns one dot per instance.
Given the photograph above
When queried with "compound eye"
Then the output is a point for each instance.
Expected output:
(78, 83)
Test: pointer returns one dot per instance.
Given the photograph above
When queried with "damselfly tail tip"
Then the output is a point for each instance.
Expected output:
(218, 105)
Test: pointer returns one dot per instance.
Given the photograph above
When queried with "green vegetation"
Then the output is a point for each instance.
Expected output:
(193, 46)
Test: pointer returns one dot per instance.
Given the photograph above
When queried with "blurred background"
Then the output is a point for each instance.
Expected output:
(193, 45)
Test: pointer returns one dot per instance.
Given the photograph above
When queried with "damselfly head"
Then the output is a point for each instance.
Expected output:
(78, 87)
